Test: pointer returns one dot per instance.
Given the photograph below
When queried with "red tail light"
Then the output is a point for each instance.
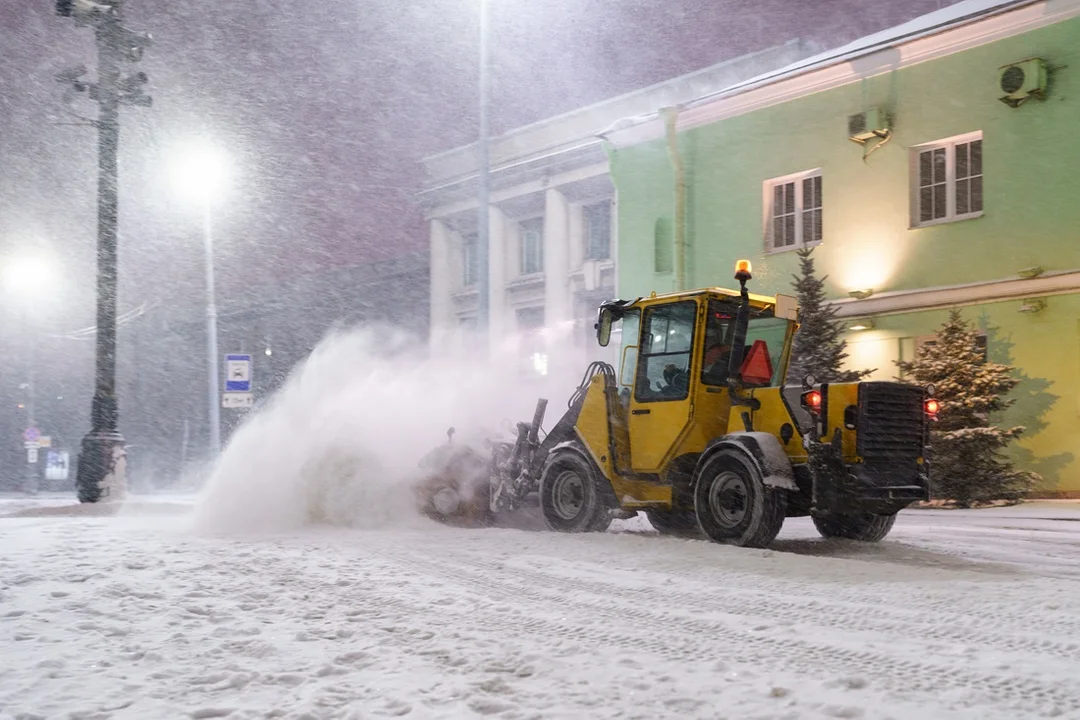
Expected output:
(932, 407)
(812, 400)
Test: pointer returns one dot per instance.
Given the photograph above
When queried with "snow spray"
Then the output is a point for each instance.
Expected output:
(340, 442)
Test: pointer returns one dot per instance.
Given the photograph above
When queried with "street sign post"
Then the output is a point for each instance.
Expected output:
(237, 373)
(31, 434)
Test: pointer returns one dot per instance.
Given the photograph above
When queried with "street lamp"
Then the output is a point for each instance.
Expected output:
(483, 160)
(26, 278)
(200, 172)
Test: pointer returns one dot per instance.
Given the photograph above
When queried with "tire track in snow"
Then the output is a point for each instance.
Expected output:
(866, 612)
(712, 640)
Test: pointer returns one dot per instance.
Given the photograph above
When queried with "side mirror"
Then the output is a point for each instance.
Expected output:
(603, 327)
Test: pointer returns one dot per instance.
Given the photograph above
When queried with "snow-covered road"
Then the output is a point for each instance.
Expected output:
(972, 614)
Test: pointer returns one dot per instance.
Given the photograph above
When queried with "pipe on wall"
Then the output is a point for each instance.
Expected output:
(671, 115)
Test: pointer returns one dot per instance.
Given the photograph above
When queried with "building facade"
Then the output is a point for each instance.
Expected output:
(931, 166)
(553, 222)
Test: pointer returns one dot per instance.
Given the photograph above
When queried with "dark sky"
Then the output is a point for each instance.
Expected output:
(326, 108)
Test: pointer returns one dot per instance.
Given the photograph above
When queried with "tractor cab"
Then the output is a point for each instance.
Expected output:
(685, 359)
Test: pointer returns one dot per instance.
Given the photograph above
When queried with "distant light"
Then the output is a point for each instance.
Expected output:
(268, 352)
(59, 397)
(20, 406)
(540, 363)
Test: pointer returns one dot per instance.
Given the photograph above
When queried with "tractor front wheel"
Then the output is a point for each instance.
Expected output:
(865, 527)
(571, 497)
(732, 503)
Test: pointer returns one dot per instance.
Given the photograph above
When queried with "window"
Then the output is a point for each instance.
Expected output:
(531, 236)
(470, 265)
(663, 371)
(794, 211)
(597, 222)
(947, 180)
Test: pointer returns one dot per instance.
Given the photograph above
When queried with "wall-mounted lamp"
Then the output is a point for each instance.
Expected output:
(864, 324)
(1031, 272)
(1032, 306)
(861, 294)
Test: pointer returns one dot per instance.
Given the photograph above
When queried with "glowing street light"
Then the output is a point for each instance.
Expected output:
(27, 277)
(200, 173)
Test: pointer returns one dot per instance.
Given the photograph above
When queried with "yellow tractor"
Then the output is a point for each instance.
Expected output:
(698, 430)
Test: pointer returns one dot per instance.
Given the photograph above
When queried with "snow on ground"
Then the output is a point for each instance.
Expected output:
(958, 614)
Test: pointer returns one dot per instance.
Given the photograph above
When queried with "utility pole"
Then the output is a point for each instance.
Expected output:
(102, 461)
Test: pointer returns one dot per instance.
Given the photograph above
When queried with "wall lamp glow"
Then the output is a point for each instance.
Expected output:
(859, 325)
(861, 294)
(1032, 306)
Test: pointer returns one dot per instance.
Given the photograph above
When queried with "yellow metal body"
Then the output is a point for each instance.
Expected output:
(636, 444)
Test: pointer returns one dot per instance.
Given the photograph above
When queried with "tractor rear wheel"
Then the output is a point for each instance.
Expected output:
(732, 503)
(865, 527)
(679, 523)
(571, 497)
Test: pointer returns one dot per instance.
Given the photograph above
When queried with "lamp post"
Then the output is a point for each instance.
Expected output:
(26, 278)
(199, 172)
(483, 160)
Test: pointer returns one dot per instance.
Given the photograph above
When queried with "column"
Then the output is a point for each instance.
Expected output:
(441, 281)
(498, 273)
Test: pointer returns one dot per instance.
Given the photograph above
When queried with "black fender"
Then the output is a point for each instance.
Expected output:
(764, 452)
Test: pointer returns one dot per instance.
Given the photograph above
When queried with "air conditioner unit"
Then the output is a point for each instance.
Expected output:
(1022, 80)
(867, 125)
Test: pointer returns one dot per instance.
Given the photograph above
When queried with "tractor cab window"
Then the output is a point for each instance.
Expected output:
(719, 331)
(663, 371)
(769, 333)
(628, 329)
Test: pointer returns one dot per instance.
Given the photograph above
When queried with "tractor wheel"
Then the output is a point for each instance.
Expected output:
(866, 527)
(733, 505)
(679, 523)
(571, 497)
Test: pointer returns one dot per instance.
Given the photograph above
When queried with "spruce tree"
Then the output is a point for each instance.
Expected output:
(819, 348)
(968, 461)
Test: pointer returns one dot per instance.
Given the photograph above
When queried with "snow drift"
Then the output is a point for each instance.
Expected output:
(341, 441)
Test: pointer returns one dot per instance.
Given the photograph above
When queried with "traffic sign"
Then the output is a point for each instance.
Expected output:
(237, 400)
(45, 441)
(31, 455)
(31, 434)
(237, 373)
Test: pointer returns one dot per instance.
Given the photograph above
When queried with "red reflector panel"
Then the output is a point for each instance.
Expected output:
(757, 366)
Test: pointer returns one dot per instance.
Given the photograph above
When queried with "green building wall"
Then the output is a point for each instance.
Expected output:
(1031, 164)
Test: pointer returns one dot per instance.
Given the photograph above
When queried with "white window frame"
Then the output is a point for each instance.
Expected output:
(949, 146)
(522, 248)
(768, 193)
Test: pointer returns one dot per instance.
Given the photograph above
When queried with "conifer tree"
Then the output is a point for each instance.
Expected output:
(819, 347)
(968, 462)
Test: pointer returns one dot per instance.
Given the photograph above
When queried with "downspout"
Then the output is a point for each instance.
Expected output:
(671, 114)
